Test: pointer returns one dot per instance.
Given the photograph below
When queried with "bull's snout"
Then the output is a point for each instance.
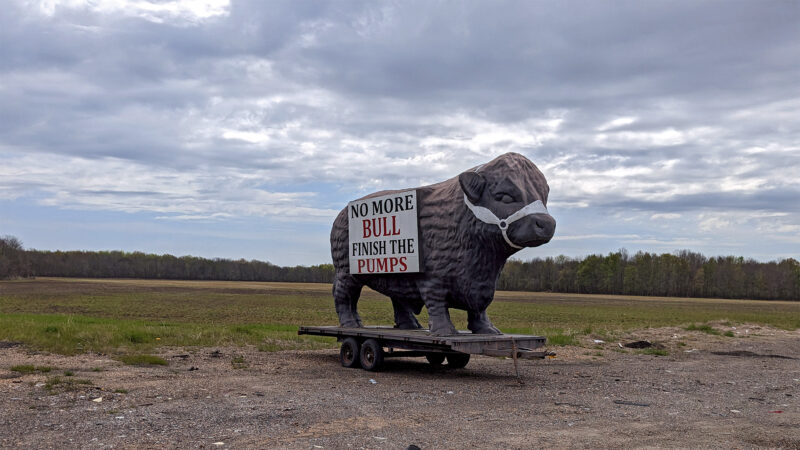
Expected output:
(533, 230)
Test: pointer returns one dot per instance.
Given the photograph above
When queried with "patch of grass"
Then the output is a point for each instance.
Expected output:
(728, 333)
(52, 382)
(97, 369)
(604, 335)
(681, 344)
(27, 368)
(80, 334)
(654, 352)
(89, 334)
(705, 328)
(239, 362)
(120, 391)
(68, 373)
(294, 342)
(622, 313)
(270, 347)
(57, 383)
(244, 329)
(142, 360)
(561, 339)
(24, 368)
(137, 337)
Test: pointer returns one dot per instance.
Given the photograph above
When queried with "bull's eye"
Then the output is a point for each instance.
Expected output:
(505, 198)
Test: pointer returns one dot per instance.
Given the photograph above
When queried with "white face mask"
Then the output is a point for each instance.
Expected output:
(487, 216)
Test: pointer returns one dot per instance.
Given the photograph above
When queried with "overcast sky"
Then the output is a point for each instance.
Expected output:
(238, 129)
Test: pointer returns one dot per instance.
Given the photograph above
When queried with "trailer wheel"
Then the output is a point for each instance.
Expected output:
(457, 360)
(348, 355)
(371, 355)
(436, 359)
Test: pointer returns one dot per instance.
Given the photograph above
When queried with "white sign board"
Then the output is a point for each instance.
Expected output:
(383, 234)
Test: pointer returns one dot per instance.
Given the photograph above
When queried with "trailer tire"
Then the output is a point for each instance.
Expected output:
(349, 353)
(457, 360)
(371, 355)
(435, 359)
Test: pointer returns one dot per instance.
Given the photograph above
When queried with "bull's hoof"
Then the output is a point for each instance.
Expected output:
(444, 331)
(351, 324)
(408, 326)
(487, 330)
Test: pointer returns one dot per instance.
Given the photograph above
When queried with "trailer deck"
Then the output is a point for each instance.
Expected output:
(365, 346)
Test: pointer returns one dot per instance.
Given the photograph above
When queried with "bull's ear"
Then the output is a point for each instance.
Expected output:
(472, 183)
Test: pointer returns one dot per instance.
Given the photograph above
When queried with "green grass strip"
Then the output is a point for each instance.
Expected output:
(79, 334)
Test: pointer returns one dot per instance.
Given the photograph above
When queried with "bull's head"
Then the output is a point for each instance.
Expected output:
(511, 193)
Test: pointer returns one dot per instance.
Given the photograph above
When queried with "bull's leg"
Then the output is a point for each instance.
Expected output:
(404, 315)
(439, 319)
(346, 291)
(435, 298)
(478, 322)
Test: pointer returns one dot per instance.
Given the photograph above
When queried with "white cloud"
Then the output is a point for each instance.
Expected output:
(617, 123)
(787, 228)
(667, 216)
(597, 236)
(159, 11)
(253, 137)
(714, 224)
(657, 138)
(485, 137)
(670, 242)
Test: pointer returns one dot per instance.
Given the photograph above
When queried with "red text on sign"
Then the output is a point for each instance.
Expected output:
(379, 226)
(382, 265)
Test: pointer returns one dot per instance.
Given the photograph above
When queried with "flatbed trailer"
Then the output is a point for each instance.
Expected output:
(364, 347)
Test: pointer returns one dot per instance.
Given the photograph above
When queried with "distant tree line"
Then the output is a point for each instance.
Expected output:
(684, 274)
(17, 262)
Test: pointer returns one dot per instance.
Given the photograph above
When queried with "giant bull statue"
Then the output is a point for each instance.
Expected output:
(469, 226)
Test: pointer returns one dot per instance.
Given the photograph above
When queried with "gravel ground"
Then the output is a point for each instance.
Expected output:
(713, 392)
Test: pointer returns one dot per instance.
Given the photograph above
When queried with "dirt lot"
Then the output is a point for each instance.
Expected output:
(714, 391)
